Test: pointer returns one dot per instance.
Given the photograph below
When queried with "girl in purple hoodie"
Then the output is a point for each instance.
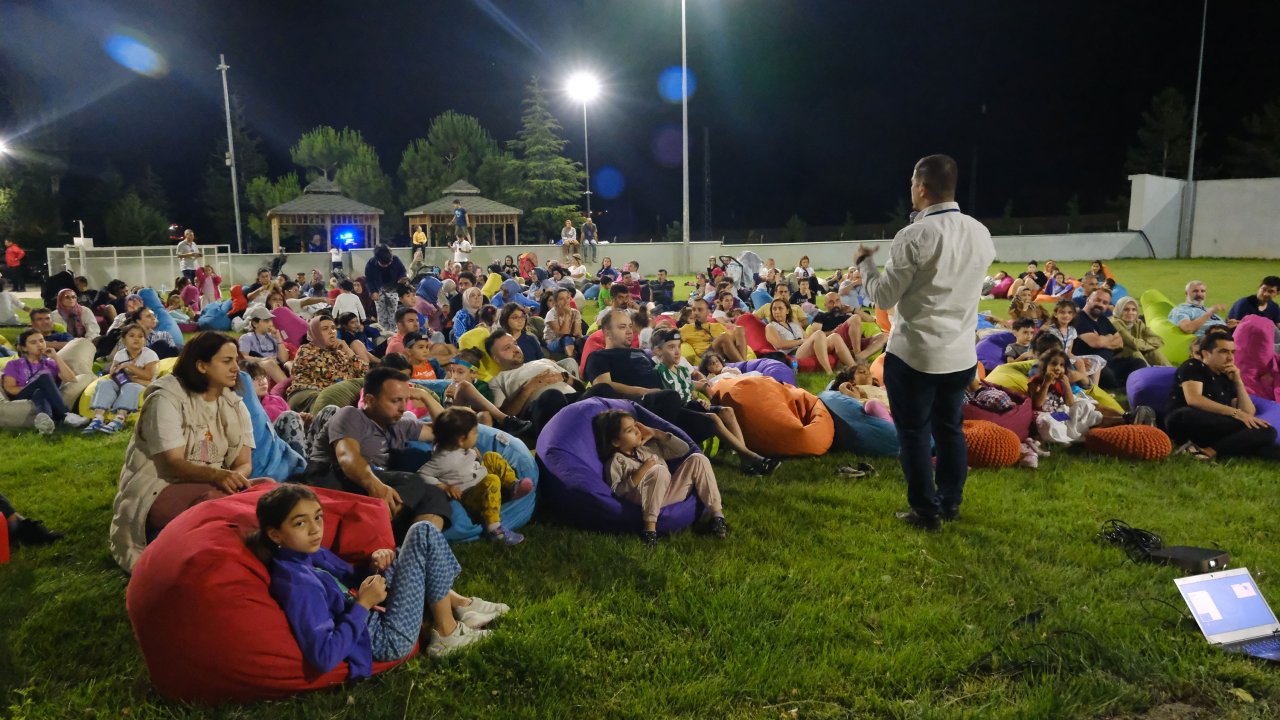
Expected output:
(338, 613)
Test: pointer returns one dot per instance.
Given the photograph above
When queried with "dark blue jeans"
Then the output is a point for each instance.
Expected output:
(925, 405)
(44, 394)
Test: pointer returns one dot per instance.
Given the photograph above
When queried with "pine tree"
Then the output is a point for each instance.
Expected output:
(548, 183)
(1164, 140)
(263, 194)
(216, 193)
(455, 148)
(1257, 154)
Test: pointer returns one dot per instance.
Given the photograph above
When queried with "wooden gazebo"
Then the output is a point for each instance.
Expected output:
(322, 204)
(480, 210)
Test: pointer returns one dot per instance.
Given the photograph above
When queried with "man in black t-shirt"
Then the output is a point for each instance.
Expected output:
(833, 315)
(1097, 336)
(626, 372)
(1210, 411)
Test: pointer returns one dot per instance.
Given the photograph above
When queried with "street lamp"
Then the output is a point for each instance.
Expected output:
(584, 87)
(4, 148)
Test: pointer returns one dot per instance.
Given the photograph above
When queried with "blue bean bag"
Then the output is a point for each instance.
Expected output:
(856, 431)
(1119, 292)
(573, 484)
(214, 316)
(991, 349)
(1150, 386)
(759, 299)
(272, 456)
(429, 289)
(779, 371)
(515, 513)
(164, 321)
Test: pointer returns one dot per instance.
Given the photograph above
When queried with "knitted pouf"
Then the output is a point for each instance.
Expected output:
(991, 445)
(1130, 442)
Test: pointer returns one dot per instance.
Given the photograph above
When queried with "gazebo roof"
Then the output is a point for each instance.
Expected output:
(470, 196)
(323, 197)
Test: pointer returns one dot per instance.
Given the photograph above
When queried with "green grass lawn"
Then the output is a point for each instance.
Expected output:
(819, 605)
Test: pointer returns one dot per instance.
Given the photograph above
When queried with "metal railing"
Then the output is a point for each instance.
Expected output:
(153, 266)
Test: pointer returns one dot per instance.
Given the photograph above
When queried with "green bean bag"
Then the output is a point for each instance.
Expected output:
(1177, 344)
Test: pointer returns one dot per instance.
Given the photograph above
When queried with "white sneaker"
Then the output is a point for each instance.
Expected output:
(480, 613)
(75, 421)
(462, 636)
(45, 424)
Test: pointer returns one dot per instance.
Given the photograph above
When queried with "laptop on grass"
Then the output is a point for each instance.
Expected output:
(1231, 612)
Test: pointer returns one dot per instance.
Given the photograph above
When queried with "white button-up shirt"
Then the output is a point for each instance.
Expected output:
(934, 276)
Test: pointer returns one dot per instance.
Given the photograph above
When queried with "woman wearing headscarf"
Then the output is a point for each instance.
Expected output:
(323, 361)
(77, 318)
(469, 316)
(511, 292)
(1139, 340)
(366, 299)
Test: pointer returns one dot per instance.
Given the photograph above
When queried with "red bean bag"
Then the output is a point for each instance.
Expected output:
(595, 341)
(759, 344)
(777, 419)
(1129, 442)
(201, 611)
(1019, 419)
(991, 445)
(239, 301)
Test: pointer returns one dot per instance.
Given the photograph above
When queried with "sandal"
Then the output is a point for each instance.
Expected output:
(860, 470)
(1190, 448)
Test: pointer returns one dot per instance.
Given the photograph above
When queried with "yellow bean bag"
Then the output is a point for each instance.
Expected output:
(164, 367)
(474, 339)
(492, 284)
(1013, 376)
(1156, 308)
(777, 419)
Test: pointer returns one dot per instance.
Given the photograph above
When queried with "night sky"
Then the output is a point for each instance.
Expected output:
(815, 108)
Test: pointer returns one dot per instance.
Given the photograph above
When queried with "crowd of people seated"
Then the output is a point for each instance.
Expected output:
(352, 371)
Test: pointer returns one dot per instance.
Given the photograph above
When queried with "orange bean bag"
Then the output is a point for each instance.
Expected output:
(991, 445)
(777, 419)
(1129, 442)
(202, 613)
(882, 319)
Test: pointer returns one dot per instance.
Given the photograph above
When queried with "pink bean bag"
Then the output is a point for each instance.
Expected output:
(1256, 356)
(291, 327)
(1019, 419)
(200, 608)
(1001, 290)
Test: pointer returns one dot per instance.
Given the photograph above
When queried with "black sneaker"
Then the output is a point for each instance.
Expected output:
(718, 527)
(751, 468)
(768, 465)
(928, 523)
(949, 513)
(33, 532)
(649, 538)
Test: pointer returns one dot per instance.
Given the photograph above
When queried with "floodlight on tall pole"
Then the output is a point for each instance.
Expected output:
(1189, 195)
(684, 133)
(4, 148)
(585, 88)
(223, 67)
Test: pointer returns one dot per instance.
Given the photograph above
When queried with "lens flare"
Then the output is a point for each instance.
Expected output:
(132, 50)
(609, 182)
(669, 84)
(667, 146)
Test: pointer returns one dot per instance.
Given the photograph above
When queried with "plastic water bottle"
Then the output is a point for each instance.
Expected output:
(164, 290)
(795, 366)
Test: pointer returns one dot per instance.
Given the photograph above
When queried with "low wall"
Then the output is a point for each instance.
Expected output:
(158, 269)
(1237, 218)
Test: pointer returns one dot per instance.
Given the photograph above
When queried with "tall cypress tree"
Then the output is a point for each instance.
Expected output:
(549, 184)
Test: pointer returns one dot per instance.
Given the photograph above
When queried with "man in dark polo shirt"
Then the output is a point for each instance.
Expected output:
(359, 448)
(1097, 336)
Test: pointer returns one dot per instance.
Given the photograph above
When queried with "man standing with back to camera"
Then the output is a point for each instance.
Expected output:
(934, 276)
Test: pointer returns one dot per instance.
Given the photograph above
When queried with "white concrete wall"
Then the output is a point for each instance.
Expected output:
(1237, 218)
(1155, 207)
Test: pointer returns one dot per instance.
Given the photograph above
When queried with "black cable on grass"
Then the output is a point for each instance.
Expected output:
(1136, 543)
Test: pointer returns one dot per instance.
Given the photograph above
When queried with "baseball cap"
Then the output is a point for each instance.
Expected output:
(662, 336)
(259, 312)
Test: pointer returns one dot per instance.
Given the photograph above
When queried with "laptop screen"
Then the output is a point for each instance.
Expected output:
(1227, 604)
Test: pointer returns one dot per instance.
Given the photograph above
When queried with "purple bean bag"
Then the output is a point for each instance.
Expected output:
(991, 349)
(1018, 420)
(779, 371)
(1268, 410)
(572, 482)
(1150, 386)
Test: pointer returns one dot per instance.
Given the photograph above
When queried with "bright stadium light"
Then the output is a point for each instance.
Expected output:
(4, 148)
(583, 87)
